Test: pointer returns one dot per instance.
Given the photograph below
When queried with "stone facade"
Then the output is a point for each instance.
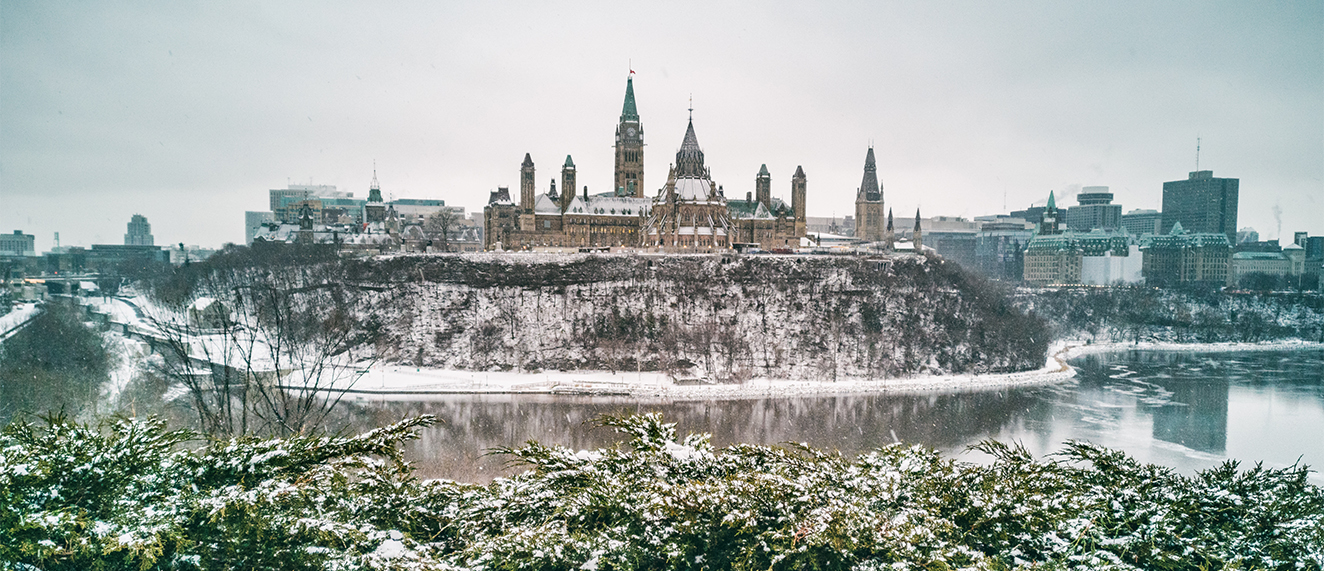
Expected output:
(870, 218)
(1182, 258)
(690, 212)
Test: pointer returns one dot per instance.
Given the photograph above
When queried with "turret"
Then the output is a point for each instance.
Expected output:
(918, 234)
(798, 201)
(889, 235)
(526, 217)
(526, 183)
(568, 183)
(763, 187)
(1049, 224)
(374, 210)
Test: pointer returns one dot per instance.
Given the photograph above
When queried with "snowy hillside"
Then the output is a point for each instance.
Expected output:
(703, 317)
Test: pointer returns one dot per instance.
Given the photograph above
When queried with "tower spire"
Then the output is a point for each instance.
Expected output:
(629, 168)
(869, 185)
(374, 189)
(629, 112)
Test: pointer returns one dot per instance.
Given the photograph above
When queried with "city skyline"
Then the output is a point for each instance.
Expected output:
(188, 115)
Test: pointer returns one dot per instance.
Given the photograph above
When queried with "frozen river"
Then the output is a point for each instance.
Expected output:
(1185, 410)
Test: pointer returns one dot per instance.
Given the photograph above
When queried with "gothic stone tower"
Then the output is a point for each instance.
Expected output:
(763, 187)
(526, 194)
(567, 183)
(374, 210)
(869, 204)
(1049, 224)
(798, 200)
(629, 148)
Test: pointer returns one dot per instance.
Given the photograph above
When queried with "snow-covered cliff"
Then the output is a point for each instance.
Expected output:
(710, 317)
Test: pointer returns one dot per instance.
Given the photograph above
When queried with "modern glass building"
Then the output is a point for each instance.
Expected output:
(1202, 204)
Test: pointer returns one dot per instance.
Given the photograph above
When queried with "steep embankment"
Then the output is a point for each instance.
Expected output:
(1152, 315)
(724, 318)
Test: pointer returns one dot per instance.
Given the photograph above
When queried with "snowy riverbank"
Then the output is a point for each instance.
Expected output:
(396, 382)
(1073, 349)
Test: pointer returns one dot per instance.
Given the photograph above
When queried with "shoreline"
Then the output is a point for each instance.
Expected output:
(402, 383)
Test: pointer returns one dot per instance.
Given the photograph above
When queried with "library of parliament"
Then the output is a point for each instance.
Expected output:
(689, 213)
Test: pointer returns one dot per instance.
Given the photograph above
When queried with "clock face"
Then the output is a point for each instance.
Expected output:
(630, 131)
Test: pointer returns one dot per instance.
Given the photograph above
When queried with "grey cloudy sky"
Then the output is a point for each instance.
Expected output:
(188, 113)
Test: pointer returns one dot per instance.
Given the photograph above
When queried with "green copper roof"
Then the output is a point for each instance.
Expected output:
(1051, 203)
(763, 170)
(629, 113)
(569, 163)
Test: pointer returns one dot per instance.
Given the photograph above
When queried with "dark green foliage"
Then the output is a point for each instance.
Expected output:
(126, 494)
(54, 362)
(178, 286)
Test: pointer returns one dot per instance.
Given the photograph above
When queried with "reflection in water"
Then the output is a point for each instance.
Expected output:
(1188, 411)
(1187, 397)
(472, 424)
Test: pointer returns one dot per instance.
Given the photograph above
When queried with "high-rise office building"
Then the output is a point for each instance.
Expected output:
(1096, 210)
(140, 232)
(1202, 204)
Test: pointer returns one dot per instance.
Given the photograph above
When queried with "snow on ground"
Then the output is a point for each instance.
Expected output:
(406, 383)
(130, 357)
(10, 322)
(116, 309)
(1073, 349)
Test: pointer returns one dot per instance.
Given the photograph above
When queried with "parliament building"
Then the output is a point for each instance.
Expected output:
(689, 212)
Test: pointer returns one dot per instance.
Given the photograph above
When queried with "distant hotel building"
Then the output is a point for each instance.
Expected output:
(1097, 257)
(1182, 258)
(140, 232)
(1201, 204)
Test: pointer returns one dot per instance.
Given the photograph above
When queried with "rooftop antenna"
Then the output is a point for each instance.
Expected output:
(1197, 153)
(691, 107)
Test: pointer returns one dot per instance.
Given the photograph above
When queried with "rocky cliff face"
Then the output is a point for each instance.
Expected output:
(719, 318)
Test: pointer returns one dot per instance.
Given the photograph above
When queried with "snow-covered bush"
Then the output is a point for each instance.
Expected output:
(130, 494)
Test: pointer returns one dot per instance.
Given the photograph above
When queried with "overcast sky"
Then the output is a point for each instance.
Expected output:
(188, 113)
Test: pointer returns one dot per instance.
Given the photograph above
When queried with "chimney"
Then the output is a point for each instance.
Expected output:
(749, 197)
(586, 194)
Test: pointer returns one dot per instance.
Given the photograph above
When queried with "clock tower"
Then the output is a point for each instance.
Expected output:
(629, 148)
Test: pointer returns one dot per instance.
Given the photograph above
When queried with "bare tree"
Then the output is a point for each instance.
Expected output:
(271, 352)
(439, 226)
